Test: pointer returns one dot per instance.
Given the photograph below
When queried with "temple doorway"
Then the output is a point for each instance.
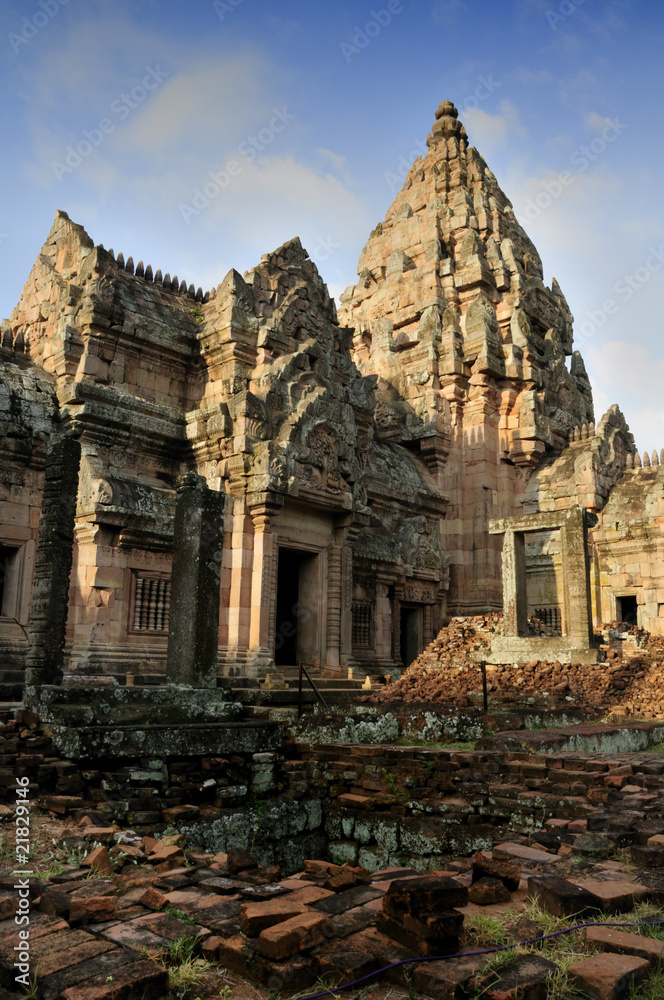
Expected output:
(296, 626)
(410, 633)
(627, 610)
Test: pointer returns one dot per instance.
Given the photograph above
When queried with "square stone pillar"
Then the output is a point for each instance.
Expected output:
(346, 623)
(577, 608)
(515, 596)
(262, 608)
(55, 543)
(193, 637)
(334, 606)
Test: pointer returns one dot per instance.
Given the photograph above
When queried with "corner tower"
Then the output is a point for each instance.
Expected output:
(452, 314)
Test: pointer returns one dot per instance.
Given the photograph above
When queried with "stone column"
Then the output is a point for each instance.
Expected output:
(55, 543)
(396, 624)
(574, 544)
(346, 623)
(263, 507)
(334, 606)
(194, 622)
(515, 597)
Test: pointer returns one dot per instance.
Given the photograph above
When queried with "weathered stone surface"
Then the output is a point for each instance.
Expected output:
(485, 866)
(614, 896)
(560, 897)
(486, 891)
(608, 977)
(614, 940)
(524, 978)
(293, 935)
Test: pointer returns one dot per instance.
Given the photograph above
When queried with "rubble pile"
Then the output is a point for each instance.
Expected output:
(629, 682)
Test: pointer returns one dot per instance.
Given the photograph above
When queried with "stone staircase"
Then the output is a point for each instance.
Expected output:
(273, 699)
(276, 697)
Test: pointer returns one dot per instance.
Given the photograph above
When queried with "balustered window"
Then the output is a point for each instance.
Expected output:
(152, 603)
(362, 629)
(551, 617)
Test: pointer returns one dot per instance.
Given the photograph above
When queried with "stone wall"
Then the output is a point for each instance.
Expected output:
(28, 414)
(379, 805)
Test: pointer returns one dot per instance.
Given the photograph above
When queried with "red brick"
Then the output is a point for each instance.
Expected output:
(256, 917)
(610, 939)
(297, 934)
(607, 976)
(99, 861)
(93, 910)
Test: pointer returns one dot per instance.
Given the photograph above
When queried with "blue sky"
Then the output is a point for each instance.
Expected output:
(308, 113)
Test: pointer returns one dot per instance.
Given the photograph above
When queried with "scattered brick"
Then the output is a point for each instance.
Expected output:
(607, 976)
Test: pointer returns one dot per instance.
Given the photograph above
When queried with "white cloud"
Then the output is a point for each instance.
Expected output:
(529, 78)
(596, 122)
(203, 106)
(339, 163)
(490, 132)
(633, 376)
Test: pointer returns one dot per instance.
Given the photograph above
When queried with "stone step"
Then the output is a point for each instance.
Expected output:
(289, 696)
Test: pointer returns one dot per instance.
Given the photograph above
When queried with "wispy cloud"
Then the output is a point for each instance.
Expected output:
(489, 132)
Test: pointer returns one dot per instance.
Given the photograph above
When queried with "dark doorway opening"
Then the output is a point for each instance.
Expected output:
(411, 634)
(8, 564)
(627, 609)
(295, 627)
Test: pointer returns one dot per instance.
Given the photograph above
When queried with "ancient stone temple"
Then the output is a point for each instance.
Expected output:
(361, 456)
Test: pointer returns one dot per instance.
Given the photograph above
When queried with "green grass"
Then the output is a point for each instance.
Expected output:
(487, 930)
(185, 970)
(652, 989)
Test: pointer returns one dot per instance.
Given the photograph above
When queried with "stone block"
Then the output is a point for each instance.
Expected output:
(486, 891)
(484, 866)
(142, 979)
(419, 895)
(614, 896)
(414, 942)
(524, 978)
(92, 910)
(559, 897)
(297, 934)
(256, 917)
(622, 943)
(99, 861)
(608, 977)
(523, 853)
(445, 980)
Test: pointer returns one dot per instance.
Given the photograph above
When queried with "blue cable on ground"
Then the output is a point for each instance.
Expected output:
(470, 954)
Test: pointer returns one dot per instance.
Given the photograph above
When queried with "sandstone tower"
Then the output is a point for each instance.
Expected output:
(469, 345)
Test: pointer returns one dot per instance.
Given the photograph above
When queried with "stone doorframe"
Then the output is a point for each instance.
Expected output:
(515, 646)
(320, 552)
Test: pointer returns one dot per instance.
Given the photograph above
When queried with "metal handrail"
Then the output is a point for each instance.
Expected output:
(302, 670)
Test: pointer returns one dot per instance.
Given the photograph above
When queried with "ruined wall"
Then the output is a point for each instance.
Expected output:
(28, 423)
(120, 347)
(601, 470)
(628, 545)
